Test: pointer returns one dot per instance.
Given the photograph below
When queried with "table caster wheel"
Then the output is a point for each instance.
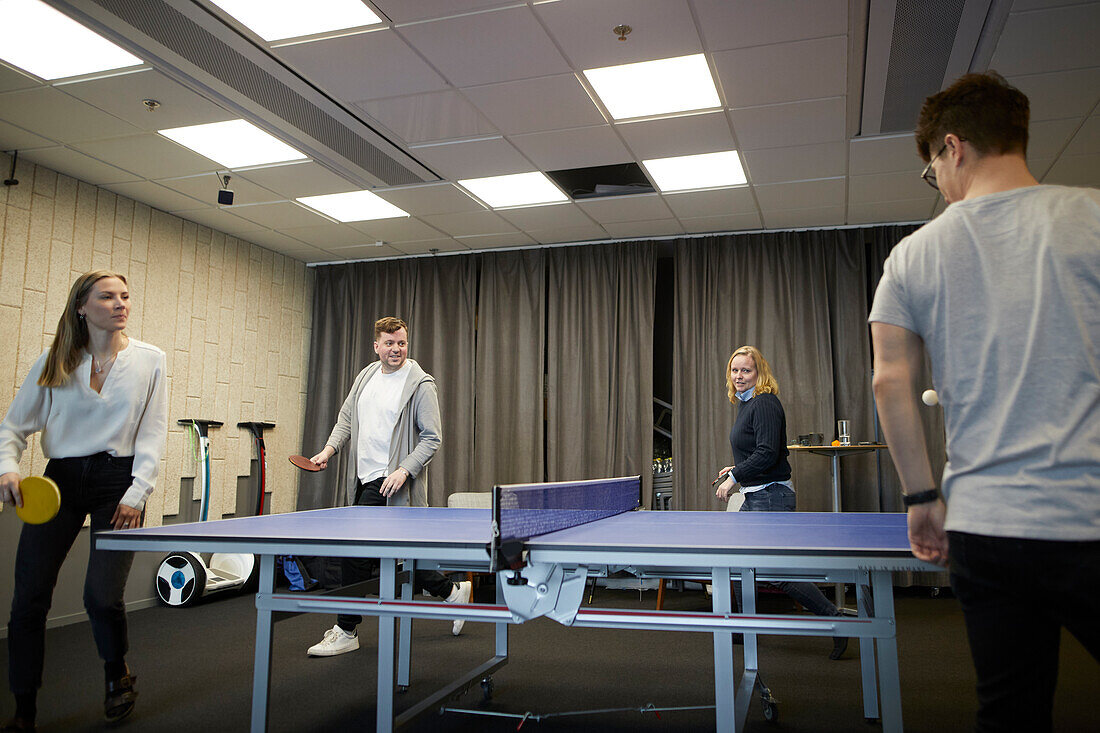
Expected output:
(402, 689)
(771, 710)
(487, 689)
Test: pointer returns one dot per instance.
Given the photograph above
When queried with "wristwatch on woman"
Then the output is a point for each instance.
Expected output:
(921, 497)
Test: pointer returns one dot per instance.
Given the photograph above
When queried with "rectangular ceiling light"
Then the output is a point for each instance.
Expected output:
(51, 45)
(275, 20)
(686, 172)
(518, 189)
(655, 87)
(233, 144)
(353, 206)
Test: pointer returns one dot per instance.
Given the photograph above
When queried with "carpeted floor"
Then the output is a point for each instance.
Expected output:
(195, 670)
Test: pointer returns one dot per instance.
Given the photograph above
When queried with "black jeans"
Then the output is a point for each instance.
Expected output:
(89, 485)
(356, 569)
(779, 498)
(1016, 595)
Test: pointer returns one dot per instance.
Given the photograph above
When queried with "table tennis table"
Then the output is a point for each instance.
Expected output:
(545, 575)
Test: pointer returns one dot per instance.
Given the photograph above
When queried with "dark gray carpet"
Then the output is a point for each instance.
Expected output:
(195, 670)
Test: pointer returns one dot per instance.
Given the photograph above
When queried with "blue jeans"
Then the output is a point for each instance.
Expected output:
(780, 498)
(1016, 595)
(89, 485)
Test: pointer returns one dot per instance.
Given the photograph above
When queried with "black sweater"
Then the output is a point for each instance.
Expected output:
(759, 442)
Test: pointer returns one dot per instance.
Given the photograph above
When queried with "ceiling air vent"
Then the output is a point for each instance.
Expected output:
(602, 180)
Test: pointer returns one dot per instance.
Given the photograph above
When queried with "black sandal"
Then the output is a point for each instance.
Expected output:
(119, 701)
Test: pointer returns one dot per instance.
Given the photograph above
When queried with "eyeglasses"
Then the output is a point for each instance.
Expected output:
(928, 175)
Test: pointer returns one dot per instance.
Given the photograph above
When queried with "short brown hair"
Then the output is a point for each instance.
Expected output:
(389, 324)
(983, 109)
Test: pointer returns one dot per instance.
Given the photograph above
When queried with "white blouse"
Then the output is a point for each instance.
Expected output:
(128, 417)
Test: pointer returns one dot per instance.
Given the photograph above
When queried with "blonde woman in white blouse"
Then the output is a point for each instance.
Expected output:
(99, 399)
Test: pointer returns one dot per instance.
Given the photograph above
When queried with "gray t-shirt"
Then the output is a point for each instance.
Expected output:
(1004, 289)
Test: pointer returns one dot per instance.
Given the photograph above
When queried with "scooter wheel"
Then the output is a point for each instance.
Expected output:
(181, 579)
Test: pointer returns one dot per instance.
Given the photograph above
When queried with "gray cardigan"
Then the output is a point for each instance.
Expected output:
(416, 436)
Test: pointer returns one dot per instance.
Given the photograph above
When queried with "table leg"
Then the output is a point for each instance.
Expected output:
(261, 670)
(386, 625)
(404, 633)
(839, 589)
(724, 695)
(882, 594)
(867, 652)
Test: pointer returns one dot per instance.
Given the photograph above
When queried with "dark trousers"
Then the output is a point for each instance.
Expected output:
(356, 569)
(89, 485)
(1016, 595)
(779, 498)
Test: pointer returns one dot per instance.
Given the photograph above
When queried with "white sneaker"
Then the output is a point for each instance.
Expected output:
(461, 594)
(336, 641)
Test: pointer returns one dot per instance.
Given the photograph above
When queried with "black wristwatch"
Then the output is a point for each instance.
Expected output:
(921, 497)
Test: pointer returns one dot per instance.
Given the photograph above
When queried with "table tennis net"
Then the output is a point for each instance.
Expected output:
(522, 511)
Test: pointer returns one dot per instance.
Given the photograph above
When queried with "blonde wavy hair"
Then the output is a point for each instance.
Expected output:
(72, 331)
(765, 380)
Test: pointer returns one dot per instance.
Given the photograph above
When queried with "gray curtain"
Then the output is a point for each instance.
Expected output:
(600, 362)
(509, 427)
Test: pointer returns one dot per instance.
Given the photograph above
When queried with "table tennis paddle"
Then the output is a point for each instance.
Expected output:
(304, 463)
(41, 500)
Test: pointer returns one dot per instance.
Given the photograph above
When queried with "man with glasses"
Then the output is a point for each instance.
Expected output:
(1003, 291)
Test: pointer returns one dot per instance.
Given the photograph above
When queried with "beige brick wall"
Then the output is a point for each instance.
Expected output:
(233, 318)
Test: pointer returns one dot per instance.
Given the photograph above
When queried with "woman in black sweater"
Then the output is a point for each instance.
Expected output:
(759, 444)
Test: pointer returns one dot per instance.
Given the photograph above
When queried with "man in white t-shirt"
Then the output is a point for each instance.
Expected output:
(390, 420)
(1003, 291)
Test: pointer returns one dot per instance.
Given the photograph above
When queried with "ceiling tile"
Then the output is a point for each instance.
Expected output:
(890, 211)
(149, 155)
(366, 251)
(221, 220)
(739, 23)
(472, 159)
(471, 223)
(889, 187)
(798, 123)
(400, 229)
(325, 236)
(630, 229)
(280, 243)
(16, 138)
(292, 180)
(626, 208)
(429, 117)
(487, 241)
(799, 218)
(885, 154)
(205, 188)
(533, 105)
(436, 198)
(799, 163)
(582, 147)
(432, 246)
(802, 195)
(281, 215)
(553, 216)
(401, 11)
(487, 47)
(718, 202)
(1026, 43)
(687, 135)
(1075, 170)
(79, 166)
(58, 116)
(10, 79)
(724, 223)
(784, 72)
(1060, 94)
(660, 29)
(156, 195)
(122, 97)
(558, 235)
(1048, 138)
(363, 66)
(1087, 139)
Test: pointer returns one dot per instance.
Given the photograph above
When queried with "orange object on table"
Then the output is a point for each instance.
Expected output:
(835, 442)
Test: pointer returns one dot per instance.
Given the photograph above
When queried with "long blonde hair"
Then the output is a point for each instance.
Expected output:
(765, 380)
(72, 331)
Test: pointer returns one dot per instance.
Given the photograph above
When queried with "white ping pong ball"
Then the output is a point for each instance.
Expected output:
(930, 398)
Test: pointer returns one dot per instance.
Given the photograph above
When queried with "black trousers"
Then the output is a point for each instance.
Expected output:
(89, 485)
(356, 569)
(1016, 595)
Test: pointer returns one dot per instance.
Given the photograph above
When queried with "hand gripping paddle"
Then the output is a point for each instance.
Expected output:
(41, 500)
(304, 463)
